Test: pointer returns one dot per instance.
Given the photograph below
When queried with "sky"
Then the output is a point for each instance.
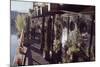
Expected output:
(21, 6)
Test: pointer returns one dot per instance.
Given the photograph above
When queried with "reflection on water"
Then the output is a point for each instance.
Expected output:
(13, 46)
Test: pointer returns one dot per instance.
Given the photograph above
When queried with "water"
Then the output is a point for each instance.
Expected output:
(13, 47)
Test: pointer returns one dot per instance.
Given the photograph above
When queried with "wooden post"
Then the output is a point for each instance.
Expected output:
(27, 35)
(43, 35)
(92, 33)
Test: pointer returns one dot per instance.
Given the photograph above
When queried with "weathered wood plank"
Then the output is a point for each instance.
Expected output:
(38, 58)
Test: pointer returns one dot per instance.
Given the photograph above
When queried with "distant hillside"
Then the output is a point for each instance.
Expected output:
(13, 15)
